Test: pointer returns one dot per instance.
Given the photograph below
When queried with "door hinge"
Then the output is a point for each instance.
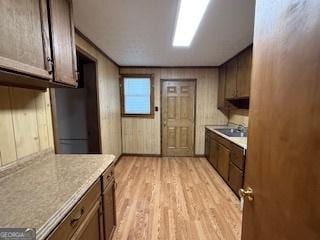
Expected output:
(77, 75)
(50, 65)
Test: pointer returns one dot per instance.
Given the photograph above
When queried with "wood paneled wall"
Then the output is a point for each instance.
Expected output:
(239, 116)
(25, 123)
(143, 136)
(109, 98)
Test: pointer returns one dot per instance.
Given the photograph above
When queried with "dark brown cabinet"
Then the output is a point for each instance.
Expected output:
(231, 79)
(223, 104)
(235, 78)
(213, 154)
(223, 161)
(37, 48)
(235, 178)
(24, 40)
(91, 226)
(244, 73)
(227, 158)
(109, 206)
(63, 42)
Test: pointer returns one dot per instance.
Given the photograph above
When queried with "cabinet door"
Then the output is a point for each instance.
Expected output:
(235, 178)
(91, 228)
(109, 210)
(244, 73)
(223, 161)
(207, 146)
(221, 88)
(24, 38)
(63, 43)
(231, 79)
(213, 159)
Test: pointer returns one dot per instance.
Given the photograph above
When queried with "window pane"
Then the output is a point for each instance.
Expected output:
(137, 105)
(137, 95)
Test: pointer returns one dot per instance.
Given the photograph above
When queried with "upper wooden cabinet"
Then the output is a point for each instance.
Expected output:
(24, 39)
(63, 42)
(238, 76)
(37, 48)
(223, 105)
(244, 73)
(231, 79)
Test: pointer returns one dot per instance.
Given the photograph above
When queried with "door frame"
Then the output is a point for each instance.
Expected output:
(54, 114)
(162, 80)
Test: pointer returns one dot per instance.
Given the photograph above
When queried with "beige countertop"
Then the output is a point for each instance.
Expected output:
(240, 141)
(41, 193)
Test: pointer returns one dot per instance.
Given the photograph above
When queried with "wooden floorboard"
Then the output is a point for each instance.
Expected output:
(174, 198)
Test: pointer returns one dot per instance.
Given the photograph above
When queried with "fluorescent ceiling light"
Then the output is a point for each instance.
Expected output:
(189, 18)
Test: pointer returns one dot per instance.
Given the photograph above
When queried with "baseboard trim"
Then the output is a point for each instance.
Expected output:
(200, 155)
(140, 155)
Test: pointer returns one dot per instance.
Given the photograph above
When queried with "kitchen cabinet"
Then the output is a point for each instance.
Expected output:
(109, 206)
(223, 104)
(213, 154)
(244, 73)
(235, 178)
(94, 216)
(91, 226)
(37, 48)
(227, 158)
(223, 161)
(237, 77)
(231, 79)
(63, 42)
(24, 41)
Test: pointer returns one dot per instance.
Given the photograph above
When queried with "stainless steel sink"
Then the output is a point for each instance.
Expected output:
(232, 132)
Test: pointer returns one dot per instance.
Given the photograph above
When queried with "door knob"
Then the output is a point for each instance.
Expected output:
(246, 193)
(164, 123)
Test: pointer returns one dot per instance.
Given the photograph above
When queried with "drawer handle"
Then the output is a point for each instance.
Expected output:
(109, 176)
(74, 221)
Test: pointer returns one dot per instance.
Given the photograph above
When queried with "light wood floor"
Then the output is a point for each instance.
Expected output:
(174, 198)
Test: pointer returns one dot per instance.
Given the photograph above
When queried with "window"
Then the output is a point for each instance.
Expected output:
(137, 96)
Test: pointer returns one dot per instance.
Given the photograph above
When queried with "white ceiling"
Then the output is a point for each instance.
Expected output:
(140, 32)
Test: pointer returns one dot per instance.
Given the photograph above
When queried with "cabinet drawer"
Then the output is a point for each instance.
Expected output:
(107, 176)
(78, 214)
(235, 178)
(237, 156)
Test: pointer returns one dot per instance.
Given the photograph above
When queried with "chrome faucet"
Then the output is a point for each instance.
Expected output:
(242, 128)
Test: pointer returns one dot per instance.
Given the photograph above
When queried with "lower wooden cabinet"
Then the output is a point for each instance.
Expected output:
(235, 178)
(94, 216)
(227, 158)
(91, 226)
(213, 153)
(109, 209)
(223, 161)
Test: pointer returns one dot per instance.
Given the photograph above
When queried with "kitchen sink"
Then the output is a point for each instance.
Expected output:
(232, 132)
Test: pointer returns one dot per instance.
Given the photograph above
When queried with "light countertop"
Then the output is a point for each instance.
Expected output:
(240, 141)
(40, 194)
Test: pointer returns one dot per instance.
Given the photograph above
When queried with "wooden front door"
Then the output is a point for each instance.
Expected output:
(283, 161)
(178, 100)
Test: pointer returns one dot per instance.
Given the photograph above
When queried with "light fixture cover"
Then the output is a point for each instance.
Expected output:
(189, 17)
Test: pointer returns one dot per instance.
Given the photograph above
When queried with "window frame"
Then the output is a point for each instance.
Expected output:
(136, 115)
